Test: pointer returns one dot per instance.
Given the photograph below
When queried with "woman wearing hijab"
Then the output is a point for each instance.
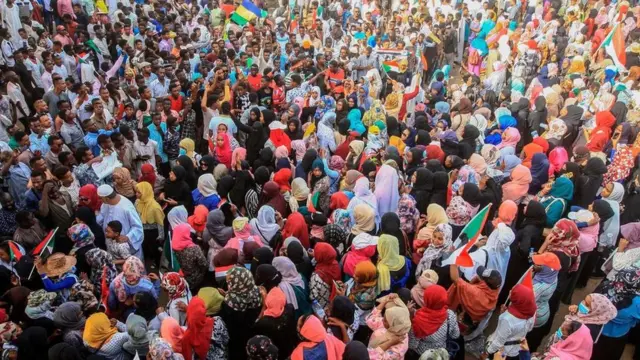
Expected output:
(601, 134)
(242, 305)
(296, 226)
(555, 199)
(564, 238)
(152, 218)
(433, 324)
(319, 184)
(575, 343)
(271, 196)
(421, 189)
(103, 339)
(138, 342)
(510, 139)
(508, 163)
(85, 215)
(390, 225)
(313, 333)
(205, 337)
(149, 174)
(278, 323)
(299, 197)
(513, 324)
(363, 196)
(293, 285)
(327, 271)
(393, 268)
(129, 282)
(361, 290)
(362, 248)
(177, 191)
(440, 243)
(193, 263)
(518, 186)
(390, 338)
(356, 154)
(244, 195)
(468, 143)
(191, 178)
(343, 321)
(386, 189)
(414, 161)
(123, 184)
(595, 311)
(206, 193)
(364, 222)
(539, 172)
(297, 253)
(222, 150)
(463, 207)
(69, 318)
(216, 234)
(589, 183)
(88, 197)
(265, 226)
(529, 236)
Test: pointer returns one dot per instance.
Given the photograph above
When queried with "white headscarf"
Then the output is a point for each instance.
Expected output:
(178, 215)
(207, 185)
(386, 191)
(265, 224)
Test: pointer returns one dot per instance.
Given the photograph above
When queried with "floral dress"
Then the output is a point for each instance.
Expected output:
(193, 264)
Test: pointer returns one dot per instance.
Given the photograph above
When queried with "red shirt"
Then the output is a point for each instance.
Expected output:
(176, 104)
(254, 81)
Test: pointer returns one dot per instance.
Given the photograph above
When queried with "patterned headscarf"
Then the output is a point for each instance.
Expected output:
(624, 288)
(243, 293)
(81, 236)
(101, 263)
(565, 235)
(132, 272)
(260, 347)
(600, 312)
(161, 350)
(8, 331)
(336, 236)
(175, 285)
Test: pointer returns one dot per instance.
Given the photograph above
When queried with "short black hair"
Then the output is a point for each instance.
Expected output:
(60, 171)
(18, 135)
(102, 138)
(63, 156)
(52, 138)
(36, 173)
(34, 159)
(80, 152)
(115, 225)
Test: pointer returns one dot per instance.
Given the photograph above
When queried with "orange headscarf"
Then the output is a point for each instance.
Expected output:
(275, 302)
(198, 220)
(314, 333)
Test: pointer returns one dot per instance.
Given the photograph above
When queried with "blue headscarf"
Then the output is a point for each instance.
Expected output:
(539, 172)
(510, 162)
(355, 121)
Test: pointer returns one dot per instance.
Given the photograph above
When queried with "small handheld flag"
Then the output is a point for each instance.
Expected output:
(46, 245)
(246, 12)
(174, 265)
(16, 253)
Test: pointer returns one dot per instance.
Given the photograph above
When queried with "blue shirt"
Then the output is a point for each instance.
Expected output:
(211, 201)
(155, 135)
(91, 140)
(39, 144)
(32, 200)
(19, 175)
(626, 319)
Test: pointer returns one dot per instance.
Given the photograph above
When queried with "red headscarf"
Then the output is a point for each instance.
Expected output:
(314, 333)
(523, 302)
(297, 227)
(433, 314)
(282, 178)
(544, 144)
(224, 152)
(198, 220)
(327, 266)
(279, 138)
(199, 328)
(148, 174)
(435, 152)
(601, 134)
(339, 200)
(90, 192)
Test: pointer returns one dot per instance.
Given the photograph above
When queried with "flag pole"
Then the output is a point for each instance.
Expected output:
(41, 251)
(519, 281)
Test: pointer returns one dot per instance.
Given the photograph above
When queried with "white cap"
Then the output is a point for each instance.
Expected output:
(105, 190)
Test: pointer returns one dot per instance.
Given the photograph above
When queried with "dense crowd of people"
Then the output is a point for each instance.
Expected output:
(308, 180)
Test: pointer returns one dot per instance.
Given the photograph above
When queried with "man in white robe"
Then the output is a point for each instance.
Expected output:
(116, 207)
(10, 14)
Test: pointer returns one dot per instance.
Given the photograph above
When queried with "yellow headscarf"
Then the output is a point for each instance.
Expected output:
(389, 259)
(188, 145)
(148, 208)
(212, 299)
(365, 219)
(436, 215)
(398, 143)
(577, 66)
(98, 330)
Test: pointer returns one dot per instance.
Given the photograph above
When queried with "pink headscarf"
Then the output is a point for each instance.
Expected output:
(557, 157)
(510, 137)
(181, 238)
(281, 152)
(577, 346)
(238, 154)
(300, 147)
(631, 232)
(518, 187)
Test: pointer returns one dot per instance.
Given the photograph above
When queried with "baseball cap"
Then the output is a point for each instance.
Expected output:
(548, 259)
(491, 277)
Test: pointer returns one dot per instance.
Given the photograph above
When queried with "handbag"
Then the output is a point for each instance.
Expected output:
(452, 346)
